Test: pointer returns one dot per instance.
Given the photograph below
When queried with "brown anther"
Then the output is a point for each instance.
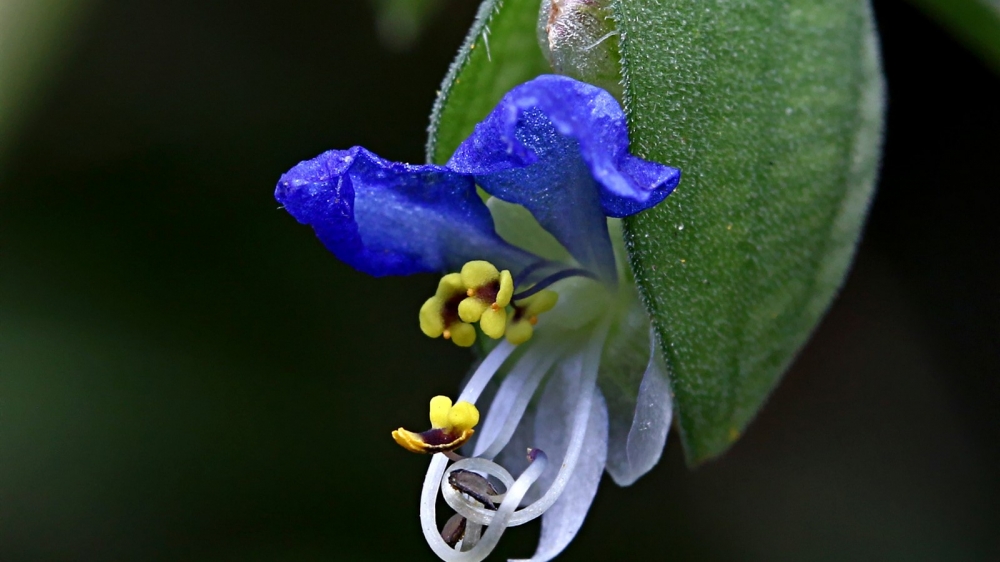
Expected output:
(473, 485)
(533, 320)
(453, 530)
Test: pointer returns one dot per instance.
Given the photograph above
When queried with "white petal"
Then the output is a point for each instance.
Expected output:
(554, 418)
(562, 419)
(636, 454)
(563, 520)
(513, 456)
(503, 402)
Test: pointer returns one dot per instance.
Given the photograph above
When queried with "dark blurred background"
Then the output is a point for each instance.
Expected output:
(185, 374)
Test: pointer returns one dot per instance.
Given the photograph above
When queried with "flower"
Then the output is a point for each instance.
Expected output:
(539, 264)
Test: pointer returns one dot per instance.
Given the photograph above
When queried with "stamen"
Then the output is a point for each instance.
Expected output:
(474, 486)
(548, 281)
(498, 520)
(487, 292)
(435, 471)
(520, 325)
(527, 273)
(588, 361)
(475, 513)
(470, 489)
(521, 383)
(485, 372)
(473, 532)
(453, 530)
(439, 314)
(451, 427)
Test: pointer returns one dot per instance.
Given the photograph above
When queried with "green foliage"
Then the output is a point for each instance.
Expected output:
(773, 110)
(975, 22)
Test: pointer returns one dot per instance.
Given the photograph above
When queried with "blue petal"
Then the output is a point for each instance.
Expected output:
(559, 147)
(388, 218)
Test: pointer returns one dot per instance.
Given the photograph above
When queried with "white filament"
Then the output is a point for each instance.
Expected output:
(529, 371)
(484, 374)
(435, 471)
(498, 523)
(523, 379)
(466, 508)
(588, 361)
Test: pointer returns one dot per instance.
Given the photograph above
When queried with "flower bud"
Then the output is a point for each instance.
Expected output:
(579, 38)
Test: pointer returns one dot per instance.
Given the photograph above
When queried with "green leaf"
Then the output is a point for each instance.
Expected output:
(500, 52)
(773, 111)
(974, 22)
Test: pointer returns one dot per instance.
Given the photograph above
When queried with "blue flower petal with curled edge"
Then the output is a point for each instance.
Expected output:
(387, 218)
(559, 147)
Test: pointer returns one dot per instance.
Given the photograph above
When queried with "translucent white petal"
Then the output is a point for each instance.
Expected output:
(512, 456)
(563, 520)
(572, 393)
(554, 419)
(631, 456)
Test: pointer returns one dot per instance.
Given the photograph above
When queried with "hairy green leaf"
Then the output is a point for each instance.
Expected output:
(773, 110)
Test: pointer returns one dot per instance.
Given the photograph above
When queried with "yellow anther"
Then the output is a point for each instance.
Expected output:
(463, 416)
(408, 440)
(462, 334)
(439, 314)
(478, 273)
(471, 309)
(488, 292)
(450, 286)
(431, 319)
(506, 289)
(451, 427)
(440, 408)
(494, 322)
(543, 301)
(521, 322)
(519, 331)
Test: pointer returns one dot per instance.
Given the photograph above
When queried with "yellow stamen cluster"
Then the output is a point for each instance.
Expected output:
(482, 293)
(479, 293)
(451, 427)
(488, 293)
